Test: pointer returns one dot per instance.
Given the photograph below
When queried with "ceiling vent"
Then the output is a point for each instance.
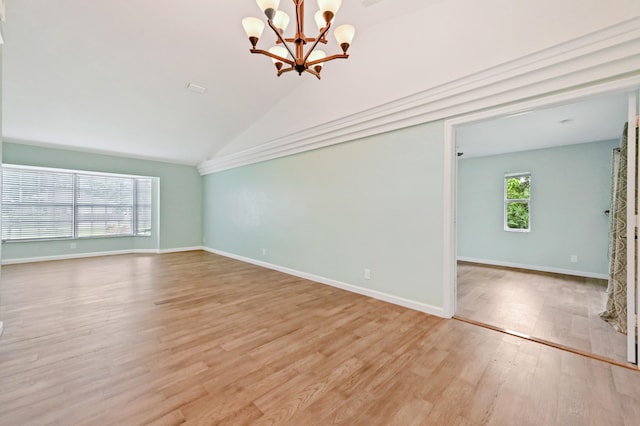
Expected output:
(197, 88)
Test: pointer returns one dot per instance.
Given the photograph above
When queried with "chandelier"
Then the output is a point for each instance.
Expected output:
(288, 54)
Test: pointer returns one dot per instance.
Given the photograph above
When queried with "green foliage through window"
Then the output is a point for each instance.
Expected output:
(519, 188)
(517, 196)
(518, 215)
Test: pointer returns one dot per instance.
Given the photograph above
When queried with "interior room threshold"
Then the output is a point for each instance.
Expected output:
(628, 366)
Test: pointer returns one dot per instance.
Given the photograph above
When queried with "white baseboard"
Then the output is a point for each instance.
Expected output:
(179, 249)
(96, 254)
(396, 300)
(535, 268)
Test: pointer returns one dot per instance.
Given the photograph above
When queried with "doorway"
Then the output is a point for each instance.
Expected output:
(548, 282)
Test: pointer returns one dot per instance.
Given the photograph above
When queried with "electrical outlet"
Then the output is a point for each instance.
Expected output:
(72, 245)
(367, 274)
(264, 251)
(574, 258)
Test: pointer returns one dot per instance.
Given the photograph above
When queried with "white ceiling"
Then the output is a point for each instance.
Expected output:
(592, 120)
(111, 76)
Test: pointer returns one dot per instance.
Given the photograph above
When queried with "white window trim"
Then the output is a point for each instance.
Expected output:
(507, 201)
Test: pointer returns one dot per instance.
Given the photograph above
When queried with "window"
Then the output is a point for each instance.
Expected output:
(36, 204)
(39, 203)
(143, 206)
(517, 199)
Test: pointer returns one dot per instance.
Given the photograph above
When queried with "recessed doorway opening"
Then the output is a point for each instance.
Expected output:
(549, 282)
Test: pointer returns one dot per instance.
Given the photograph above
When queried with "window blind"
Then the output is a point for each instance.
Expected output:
(104, 206)
(45, 204)
(143, 206)
(36, 204)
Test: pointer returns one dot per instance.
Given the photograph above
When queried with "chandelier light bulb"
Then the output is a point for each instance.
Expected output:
(314, 56)
(280, 51)
(269, 7)
(319, 20)
(254, 28)
(344, 36)
(329, 8)
(281, 21)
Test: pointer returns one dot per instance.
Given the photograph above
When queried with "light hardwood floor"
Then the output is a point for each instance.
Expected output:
(558, 308)
(197, 339)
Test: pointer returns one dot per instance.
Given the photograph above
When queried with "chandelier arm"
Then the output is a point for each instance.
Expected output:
(299, 18)
(282, 71)
(306, 39)
(313, 40)
(274, 56)
(314, 72)
(328, 58)
(317, 40)
(282, 40)
(299, 37)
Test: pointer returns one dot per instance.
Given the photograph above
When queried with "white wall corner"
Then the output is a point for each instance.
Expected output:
(449, 225)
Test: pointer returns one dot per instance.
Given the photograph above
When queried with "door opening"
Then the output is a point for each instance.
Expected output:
(503, 257)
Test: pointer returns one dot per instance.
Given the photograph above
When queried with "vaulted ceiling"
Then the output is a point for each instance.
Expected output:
(112, 76)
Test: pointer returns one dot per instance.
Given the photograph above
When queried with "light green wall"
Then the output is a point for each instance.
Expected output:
(372, 203)
(180, 201)
(570, 191)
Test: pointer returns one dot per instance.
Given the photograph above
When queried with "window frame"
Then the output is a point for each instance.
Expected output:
(74, 207)
(508, 201)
